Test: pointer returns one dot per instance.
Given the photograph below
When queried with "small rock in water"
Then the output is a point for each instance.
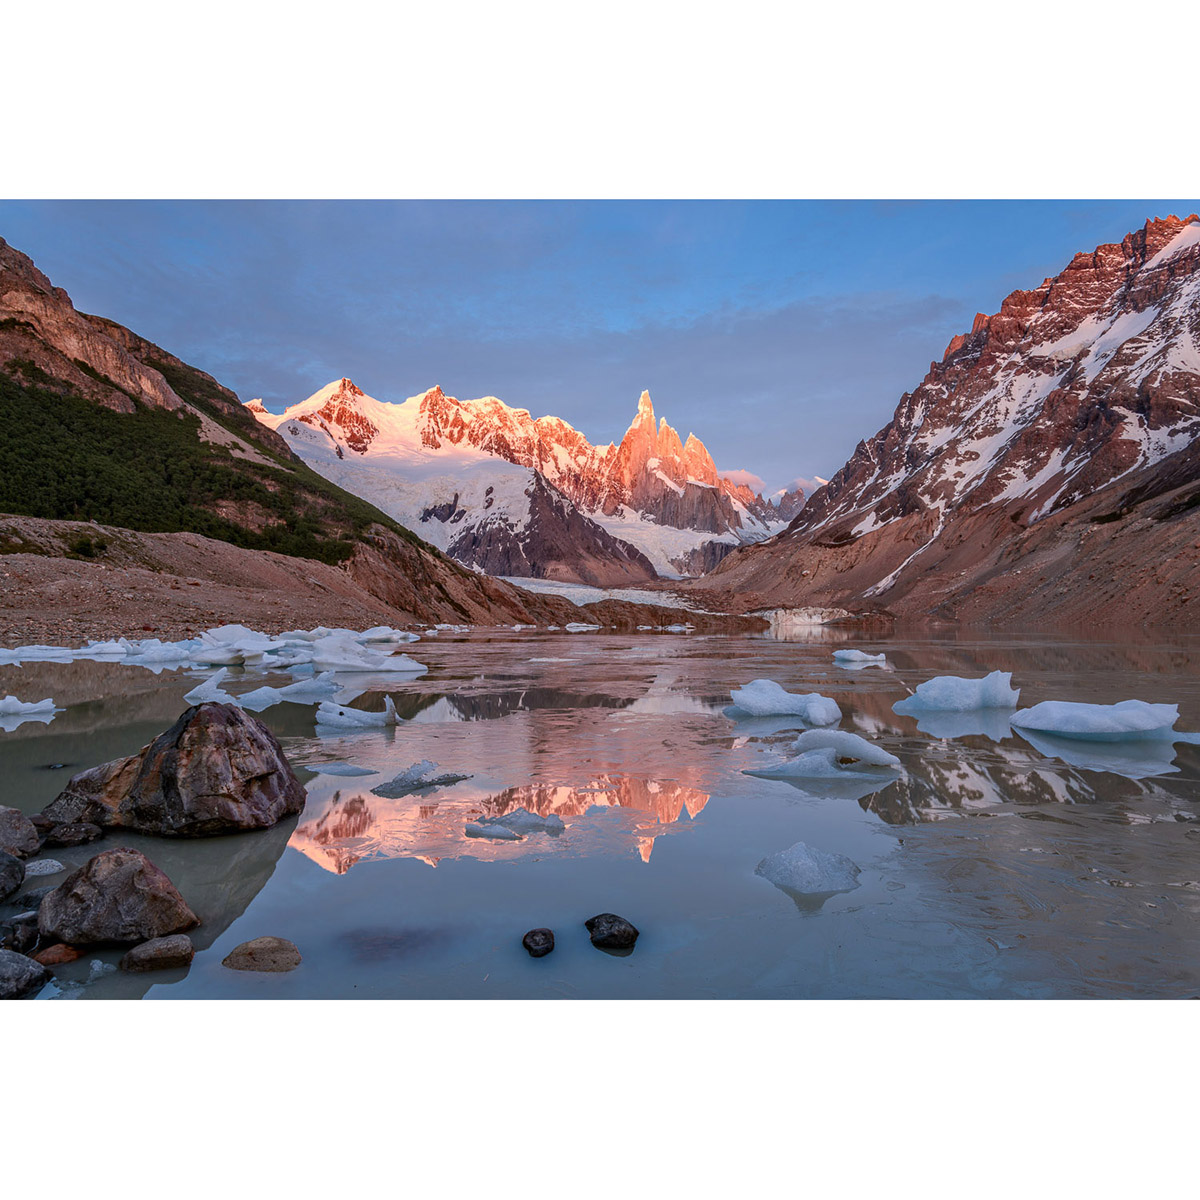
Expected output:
(33, 898)
(610, 932)
(18, 836)
(22, 933)
(12, 874)
(160, 954)
(54, 955)
(20, 976)
(539, 942)
(43, 866)
(76, 833)
(263, 954)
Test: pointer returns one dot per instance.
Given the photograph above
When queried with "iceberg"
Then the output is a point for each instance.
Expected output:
(805, 871)
(518, 823)
(210, 691)
(831, 754)
(344, 654)
(857, 658)
(335, 716)
(303, 691)
(950, 693)
(419, 777)
(1128, 720)
(580, 627)
(765, 698)
(846, 745)
(14, 712)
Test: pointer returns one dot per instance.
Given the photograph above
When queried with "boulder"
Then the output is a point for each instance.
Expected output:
(160, 954)
(216, 770)
(539, 942)
(12, 874)
(17, 833)
(54, 955)
(263, 954)
(32, 899)
(20, 933)
(118, 896)
(20, 976)
(610, 932)
(43, 866)
(76, 833)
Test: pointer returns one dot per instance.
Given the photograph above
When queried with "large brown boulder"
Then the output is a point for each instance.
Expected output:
(216, 770)
(118, 896)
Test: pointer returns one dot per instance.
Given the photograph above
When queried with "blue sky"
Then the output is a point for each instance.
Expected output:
(780, 332)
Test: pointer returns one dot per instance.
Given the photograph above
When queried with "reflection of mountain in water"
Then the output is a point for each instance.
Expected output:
(959, 780)
(433, 706)
(353, 825)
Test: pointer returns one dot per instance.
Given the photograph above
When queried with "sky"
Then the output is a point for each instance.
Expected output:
(781, 333)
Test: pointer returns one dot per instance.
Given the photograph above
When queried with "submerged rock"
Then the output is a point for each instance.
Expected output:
(216, 770)
(54, 955)
(76, 833)
(539, 942)
(610, 932)
(118, 896)
(20, 976)
(12, 874)
(18, 836)
(805, 871)
(263, 954)
(160, 954)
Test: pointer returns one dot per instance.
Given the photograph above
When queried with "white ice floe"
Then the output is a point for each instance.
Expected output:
(331, 716)
(806, 871)
(518, 823)
(380, 634)
(1128, 720)
(303, 691)
(419, 777)
(858, 658)
(832, 754)
(210, 691)
(580, 627)
(846, 745)
(343, 654)
(14, 712)
(765, 698)
(950, 693)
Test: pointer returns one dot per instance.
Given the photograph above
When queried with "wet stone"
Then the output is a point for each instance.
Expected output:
(20, 976)
(18, 835)
(12, 874)
(77, 833)
(539, 942)
(54, 955)
(160, 954)
(263, 954)
(610, 932)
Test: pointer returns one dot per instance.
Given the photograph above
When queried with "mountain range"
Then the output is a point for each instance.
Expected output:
(1047, 467)
(512, 495)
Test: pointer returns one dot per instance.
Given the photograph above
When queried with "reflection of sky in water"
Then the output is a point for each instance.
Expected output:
(993, 866)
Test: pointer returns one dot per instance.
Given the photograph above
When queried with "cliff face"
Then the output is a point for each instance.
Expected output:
(1047, 433)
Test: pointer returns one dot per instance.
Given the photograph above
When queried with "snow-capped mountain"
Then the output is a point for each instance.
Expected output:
(510, 494)
(1079, 399)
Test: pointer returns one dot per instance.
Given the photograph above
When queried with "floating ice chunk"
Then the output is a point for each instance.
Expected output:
(10, 706)
(845, 657)
(342, 654)
(385, 633)
(339, 768)
(765, 698)
(303, 691)
(210, 691)
(335, 716)
(518, 823)
(949, 693)
(500, 833)
(580, 627)
(805, 871)
(846, 745)
(552, 660)
(1128, 720)
(35, 654)
(419, 777)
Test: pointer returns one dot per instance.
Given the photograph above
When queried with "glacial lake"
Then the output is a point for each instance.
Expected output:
(990, 868)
